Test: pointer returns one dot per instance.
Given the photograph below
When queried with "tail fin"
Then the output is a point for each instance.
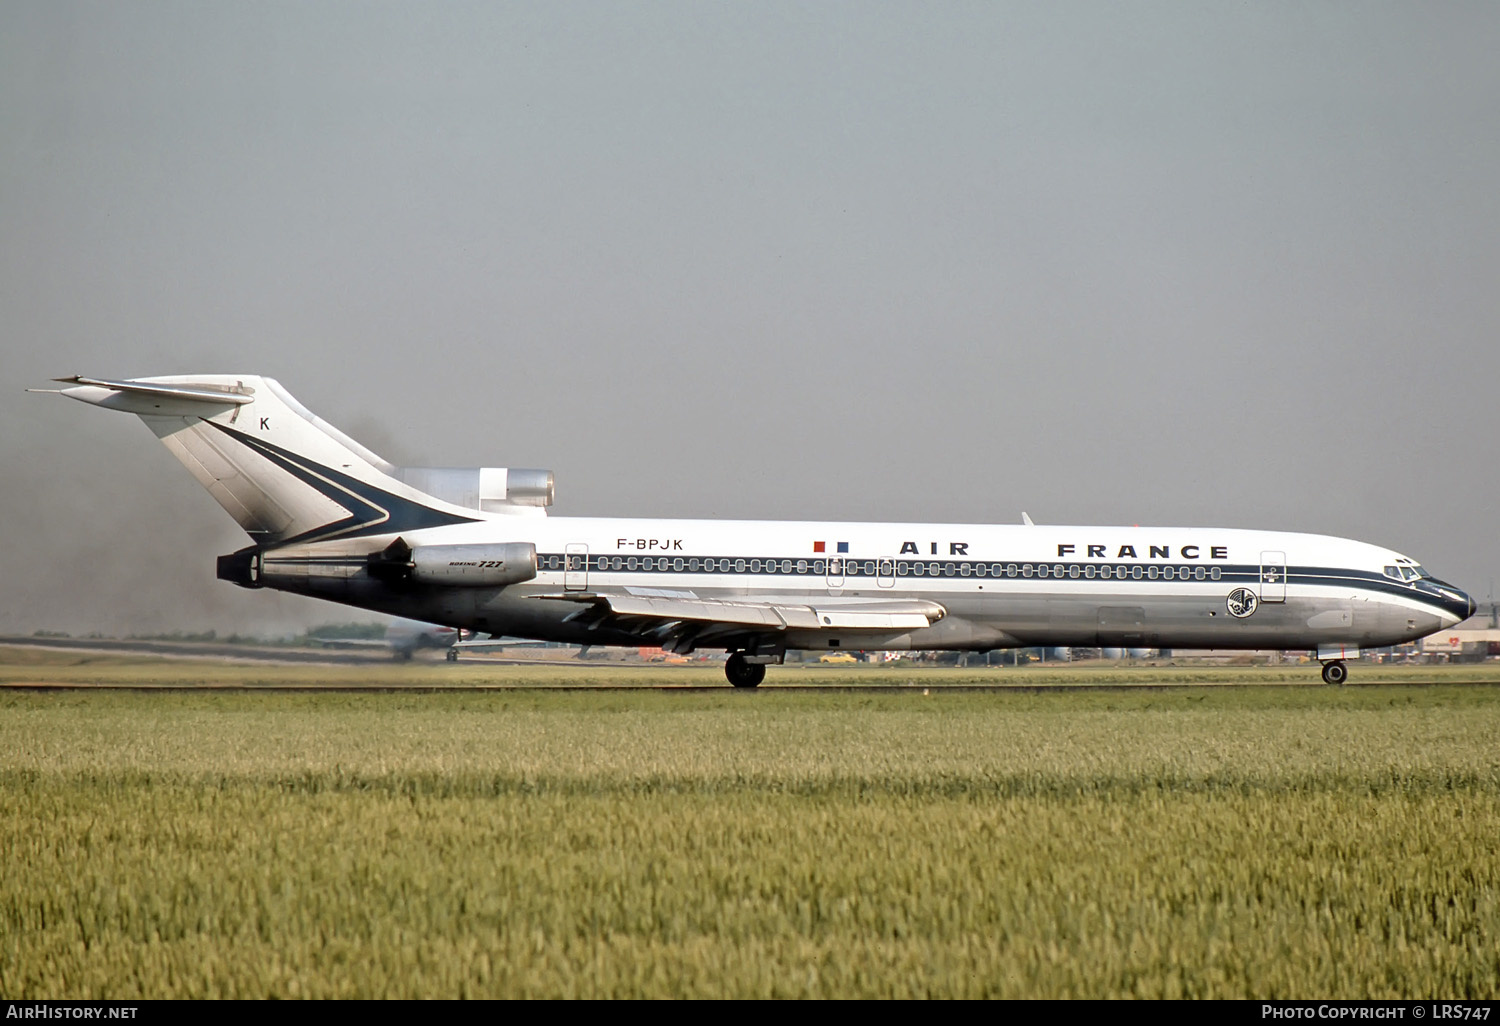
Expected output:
(284, 474)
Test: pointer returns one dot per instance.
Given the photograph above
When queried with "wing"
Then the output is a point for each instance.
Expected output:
(681, 622)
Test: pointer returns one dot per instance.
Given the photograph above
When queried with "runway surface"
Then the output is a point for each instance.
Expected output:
(221, 652)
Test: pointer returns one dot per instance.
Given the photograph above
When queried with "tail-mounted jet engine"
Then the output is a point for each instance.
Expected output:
(477, 566)
(491, 489)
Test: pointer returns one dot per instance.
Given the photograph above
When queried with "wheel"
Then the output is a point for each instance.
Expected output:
(744, 674)
(1335, 673)
(451, 656)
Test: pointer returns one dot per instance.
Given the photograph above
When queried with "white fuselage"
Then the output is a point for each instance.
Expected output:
(1002, 586)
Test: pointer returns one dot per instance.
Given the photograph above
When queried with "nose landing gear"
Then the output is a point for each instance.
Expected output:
(1335, 672)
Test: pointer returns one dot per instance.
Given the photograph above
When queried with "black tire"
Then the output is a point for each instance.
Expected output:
(744, 674)
(1335, 673)
(451, 656)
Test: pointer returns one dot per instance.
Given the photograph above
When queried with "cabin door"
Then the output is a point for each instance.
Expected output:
(1273, 576)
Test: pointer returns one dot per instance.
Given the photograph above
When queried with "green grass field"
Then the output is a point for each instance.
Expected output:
(1198, 842)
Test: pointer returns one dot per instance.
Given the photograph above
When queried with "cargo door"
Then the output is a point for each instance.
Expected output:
(1122, 626)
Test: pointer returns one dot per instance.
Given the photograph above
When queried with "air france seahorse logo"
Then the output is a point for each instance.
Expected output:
(1242, 602)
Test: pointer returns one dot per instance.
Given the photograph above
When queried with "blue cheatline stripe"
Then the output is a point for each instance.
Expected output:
(804, 566)
(372, 510)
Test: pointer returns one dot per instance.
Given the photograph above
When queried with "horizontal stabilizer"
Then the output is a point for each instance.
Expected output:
(219, 395)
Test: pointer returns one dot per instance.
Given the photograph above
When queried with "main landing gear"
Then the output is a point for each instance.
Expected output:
(742, 673)
(1335, 673)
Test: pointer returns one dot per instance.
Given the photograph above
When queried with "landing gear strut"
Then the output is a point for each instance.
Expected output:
(1335, 673)
(743, 674)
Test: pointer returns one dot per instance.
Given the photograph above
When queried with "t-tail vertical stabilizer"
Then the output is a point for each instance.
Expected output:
(285, 475)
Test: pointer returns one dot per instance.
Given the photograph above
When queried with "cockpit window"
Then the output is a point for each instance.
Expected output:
(1409, 572)
(1421, 572)
(1393, 573)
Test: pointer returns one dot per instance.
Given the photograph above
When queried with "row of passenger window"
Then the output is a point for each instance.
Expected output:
(882, 568)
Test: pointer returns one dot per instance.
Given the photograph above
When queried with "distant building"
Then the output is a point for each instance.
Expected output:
(1474, 639)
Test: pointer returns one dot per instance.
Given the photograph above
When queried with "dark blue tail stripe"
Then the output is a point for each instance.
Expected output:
(372, 510)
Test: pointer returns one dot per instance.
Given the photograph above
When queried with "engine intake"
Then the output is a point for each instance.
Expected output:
(491, 489)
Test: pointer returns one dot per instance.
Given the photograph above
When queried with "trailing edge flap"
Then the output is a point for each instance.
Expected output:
(874, 615)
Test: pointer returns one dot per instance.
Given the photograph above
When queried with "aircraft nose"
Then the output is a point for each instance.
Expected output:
(1456, 602)
(1464, 605)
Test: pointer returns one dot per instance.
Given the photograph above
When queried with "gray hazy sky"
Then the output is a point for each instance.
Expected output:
(1171, 263)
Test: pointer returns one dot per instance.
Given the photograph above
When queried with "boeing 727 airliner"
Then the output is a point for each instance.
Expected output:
(473, 548)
